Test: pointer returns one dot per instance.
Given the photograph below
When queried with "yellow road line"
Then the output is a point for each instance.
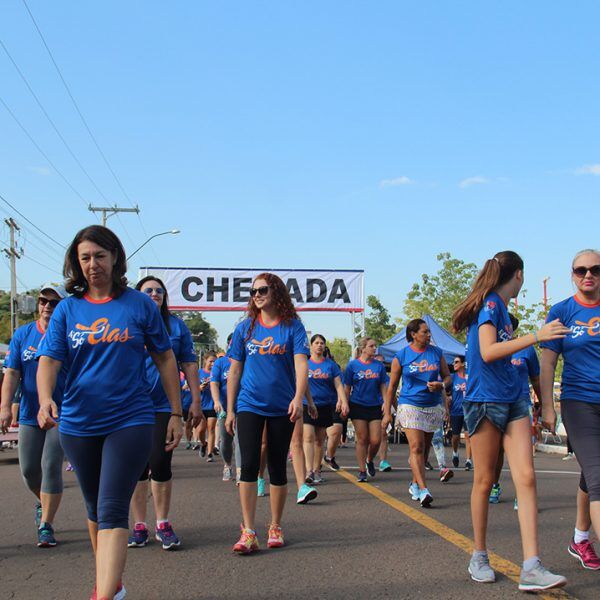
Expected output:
(510, 569)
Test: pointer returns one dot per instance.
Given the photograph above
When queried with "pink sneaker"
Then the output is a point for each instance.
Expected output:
(586, 554)
(275, 539)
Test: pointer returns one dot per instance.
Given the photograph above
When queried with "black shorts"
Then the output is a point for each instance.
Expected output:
(324, 418)
(186, 413)
(210, 413)
(365, 413)
(338, 419)
(457, 423)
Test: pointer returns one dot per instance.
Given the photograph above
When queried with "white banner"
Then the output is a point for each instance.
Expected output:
(229, 289)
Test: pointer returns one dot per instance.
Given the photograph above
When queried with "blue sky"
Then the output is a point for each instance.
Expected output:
(310, 135)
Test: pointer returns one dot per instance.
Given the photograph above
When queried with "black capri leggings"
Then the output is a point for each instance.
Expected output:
(159, 467)
(582, 422)
(279, 435)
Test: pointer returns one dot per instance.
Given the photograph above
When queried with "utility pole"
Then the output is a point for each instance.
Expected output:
(545, 282)
(109, 211)
(12, 255)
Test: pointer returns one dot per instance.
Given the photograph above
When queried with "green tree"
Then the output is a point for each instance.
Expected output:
(439, 294)
(378, 324)
(203, 333)
(341, 350)
(5, 333)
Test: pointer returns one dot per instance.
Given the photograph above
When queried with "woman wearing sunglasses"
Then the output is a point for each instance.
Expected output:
(580, 394)
(268, 378)
(40, 452)
(158, 470)
(457, 392)
(102, 333)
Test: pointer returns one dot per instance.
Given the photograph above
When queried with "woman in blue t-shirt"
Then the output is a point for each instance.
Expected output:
(101, 333)
(40, 452)
(206, 431)
(495, 415)
(580, 393)
(325, 384)
(159, 467)
(267, 382)
(365, 383)
(421, 412)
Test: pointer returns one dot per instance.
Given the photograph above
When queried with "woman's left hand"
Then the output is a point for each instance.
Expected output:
(295, 409)
(313, 412)
(174, 433)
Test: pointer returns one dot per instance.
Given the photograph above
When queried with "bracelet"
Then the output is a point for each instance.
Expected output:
(176, 415)
(535, 337)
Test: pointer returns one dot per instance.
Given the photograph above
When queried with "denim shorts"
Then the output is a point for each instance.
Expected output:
(499, 414)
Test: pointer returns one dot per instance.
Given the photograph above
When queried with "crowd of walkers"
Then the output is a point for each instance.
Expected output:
(109, 377)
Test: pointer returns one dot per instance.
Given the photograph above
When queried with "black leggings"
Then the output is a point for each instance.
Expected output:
(279, 435)
(582, 422)
(159, 467)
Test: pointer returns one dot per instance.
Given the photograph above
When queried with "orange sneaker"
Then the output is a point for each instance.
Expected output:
(247, 542)
(275, 537)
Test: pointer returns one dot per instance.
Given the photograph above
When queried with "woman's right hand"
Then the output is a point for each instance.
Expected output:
(230, 424)
(386, 420)
(47, 415)
(553, 330)
(5, 418)
(549, 418)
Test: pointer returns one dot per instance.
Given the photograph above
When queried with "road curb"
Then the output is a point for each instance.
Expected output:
(551, 449)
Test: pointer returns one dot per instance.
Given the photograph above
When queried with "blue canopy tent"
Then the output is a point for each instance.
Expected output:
(439, 337)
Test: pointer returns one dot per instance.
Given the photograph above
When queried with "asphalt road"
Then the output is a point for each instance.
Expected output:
(352, 542)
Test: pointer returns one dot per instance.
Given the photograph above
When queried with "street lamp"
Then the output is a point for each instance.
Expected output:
(172, 231)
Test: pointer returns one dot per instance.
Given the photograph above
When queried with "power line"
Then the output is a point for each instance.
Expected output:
(30, 222)
(58, 133)
(37, 262)
(12, 114)
(83, 120)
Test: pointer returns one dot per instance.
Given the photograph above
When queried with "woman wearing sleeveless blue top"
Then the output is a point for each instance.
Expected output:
(580, 394)
(424, 373)
(101, 333)
(495, 415)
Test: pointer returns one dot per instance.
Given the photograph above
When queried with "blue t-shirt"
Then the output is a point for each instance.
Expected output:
(365, 379)
(268, 383)
(527, 364)
(580, 349)
(102, 344)
(321, 376)
(21, 357)
(497, 381)
(219, 374)
(205, 395)
(459, 387)
(418, 368)
(181, 340)
(186, 395)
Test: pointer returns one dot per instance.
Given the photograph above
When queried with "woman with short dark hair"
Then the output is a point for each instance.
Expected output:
(101, 333)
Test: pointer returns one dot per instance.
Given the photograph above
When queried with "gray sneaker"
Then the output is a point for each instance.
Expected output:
(539, 579)
(480, 570)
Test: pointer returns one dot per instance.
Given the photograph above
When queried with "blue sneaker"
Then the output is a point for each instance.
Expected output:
(139, 536)
(38, 515)
(46, 536)
(425, 498)
(362, 477)
(371, 468)
(495, 494)
(414, 491)
(384, 466)
(306, 494)
(166, 535)
(260, 487)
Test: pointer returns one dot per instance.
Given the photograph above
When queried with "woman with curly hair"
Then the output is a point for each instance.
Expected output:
(267, 382)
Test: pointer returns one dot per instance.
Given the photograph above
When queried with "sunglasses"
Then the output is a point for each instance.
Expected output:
(160, 291)
(52, 303)
(582, 271)
(263, 290)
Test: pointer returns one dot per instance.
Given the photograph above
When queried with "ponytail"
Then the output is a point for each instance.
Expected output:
(496, 271)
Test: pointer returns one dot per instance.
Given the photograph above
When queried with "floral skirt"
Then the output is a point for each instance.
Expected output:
(426, 419)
